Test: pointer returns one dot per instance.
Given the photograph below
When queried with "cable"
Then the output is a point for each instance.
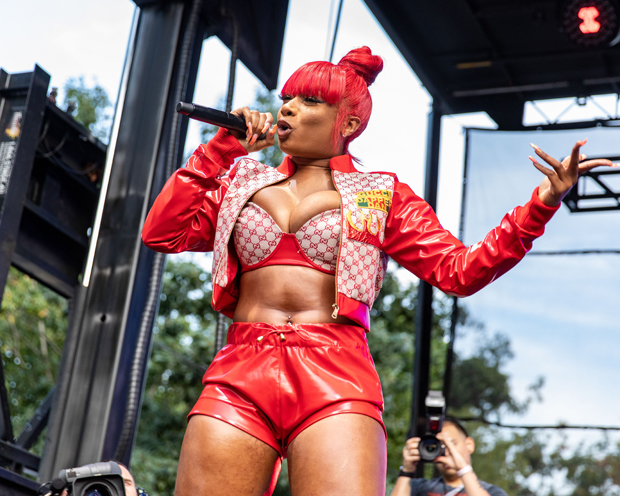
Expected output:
(57, 149)
(594, 251)
(532, 427)
(220, 328)
(331, 53)
(233, 60)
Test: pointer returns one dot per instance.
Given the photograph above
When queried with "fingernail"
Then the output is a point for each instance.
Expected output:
(534, 147)
(250, 127)
(254, 138)
(265, 127)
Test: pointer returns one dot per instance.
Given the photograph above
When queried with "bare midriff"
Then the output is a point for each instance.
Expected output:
(279, 294)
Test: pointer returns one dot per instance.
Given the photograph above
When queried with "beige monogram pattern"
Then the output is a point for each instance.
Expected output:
(250, 177)
(257, 235)
(362, 266)
(319, 239)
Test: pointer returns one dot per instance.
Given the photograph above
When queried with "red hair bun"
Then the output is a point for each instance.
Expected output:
(345, 85)
(364, 63)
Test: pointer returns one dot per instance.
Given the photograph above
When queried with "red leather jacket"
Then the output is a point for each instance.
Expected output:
(198, 207)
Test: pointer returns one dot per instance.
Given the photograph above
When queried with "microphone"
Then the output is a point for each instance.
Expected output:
(215, 117)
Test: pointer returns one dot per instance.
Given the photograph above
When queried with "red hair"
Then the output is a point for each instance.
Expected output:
(344, 84)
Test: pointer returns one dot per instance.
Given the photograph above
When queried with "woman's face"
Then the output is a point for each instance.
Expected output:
(305, 127)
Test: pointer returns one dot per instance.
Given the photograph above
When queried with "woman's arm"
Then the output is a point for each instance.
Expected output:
(184, 215)
(416, 240)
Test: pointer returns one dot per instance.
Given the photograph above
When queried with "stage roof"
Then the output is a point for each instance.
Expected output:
(494, 55)
(261, 31)
(471, 55)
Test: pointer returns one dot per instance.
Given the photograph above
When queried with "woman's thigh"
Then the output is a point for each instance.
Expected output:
(342, 455)
(219, 459)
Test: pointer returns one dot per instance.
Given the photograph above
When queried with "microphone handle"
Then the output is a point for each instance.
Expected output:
(215, 117)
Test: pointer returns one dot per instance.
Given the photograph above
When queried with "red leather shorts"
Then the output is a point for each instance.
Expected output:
(273, 381)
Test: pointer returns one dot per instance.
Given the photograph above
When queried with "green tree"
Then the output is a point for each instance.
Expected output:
(33, 319)
(91, 106)
(33, 322)
(183, 346)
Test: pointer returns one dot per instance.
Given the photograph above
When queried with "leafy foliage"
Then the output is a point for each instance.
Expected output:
(33, 322)
(183, 347)
(91, 106)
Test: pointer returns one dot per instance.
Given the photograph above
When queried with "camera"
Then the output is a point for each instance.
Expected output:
(95, 479)
(430, 447)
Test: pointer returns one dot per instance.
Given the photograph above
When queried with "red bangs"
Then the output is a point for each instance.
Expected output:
(344, 85)
(322, 80)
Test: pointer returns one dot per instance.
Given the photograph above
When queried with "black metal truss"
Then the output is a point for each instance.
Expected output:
(580, 200)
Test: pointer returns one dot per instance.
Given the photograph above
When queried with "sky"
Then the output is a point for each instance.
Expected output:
(72, 38)
(559, 312)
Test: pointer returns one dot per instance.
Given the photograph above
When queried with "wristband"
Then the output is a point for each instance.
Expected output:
(464, 470)
(402, 473)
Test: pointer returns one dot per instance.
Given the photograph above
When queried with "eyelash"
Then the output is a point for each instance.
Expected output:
(311, 99)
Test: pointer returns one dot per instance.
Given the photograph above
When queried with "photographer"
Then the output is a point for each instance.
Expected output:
(109, 478)
(457, 475)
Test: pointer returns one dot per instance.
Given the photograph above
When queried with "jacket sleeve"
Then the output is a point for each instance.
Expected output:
(416, 240)
(184, 215)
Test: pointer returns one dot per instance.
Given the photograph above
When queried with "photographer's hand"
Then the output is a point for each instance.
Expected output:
(411, 454)
(411, 457)
(454, 459)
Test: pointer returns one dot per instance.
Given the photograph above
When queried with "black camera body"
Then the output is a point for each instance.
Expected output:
(430, 447)
(95, 479)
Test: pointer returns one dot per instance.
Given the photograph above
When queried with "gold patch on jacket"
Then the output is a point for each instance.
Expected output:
(376, 199)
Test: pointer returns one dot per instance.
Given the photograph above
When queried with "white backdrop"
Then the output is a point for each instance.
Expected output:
(560, 312)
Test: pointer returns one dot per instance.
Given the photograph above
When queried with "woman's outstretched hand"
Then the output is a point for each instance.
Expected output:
(559, 180)
(257, 123)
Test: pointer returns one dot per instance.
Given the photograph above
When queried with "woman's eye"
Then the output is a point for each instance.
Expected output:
(312, 99)
(285, 98)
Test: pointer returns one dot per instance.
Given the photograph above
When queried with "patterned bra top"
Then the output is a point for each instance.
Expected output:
(260, 242)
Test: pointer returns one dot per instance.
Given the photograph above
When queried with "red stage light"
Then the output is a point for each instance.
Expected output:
(589, 24)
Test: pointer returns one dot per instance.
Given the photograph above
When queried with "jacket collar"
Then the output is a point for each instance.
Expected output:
(341, 163)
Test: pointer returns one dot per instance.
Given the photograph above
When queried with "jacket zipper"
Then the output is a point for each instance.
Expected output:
(335, 305)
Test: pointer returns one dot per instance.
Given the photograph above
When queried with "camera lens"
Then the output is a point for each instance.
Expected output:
(430, 448)
(96, 490)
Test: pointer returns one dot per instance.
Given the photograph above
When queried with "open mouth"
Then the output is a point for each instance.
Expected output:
(284, 128)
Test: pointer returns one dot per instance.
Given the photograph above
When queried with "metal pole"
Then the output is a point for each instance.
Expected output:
(447, 377)
(447, 381)
(424, 309)
(220, 328)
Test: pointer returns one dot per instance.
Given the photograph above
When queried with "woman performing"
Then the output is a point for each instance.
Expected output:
(299, 255)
